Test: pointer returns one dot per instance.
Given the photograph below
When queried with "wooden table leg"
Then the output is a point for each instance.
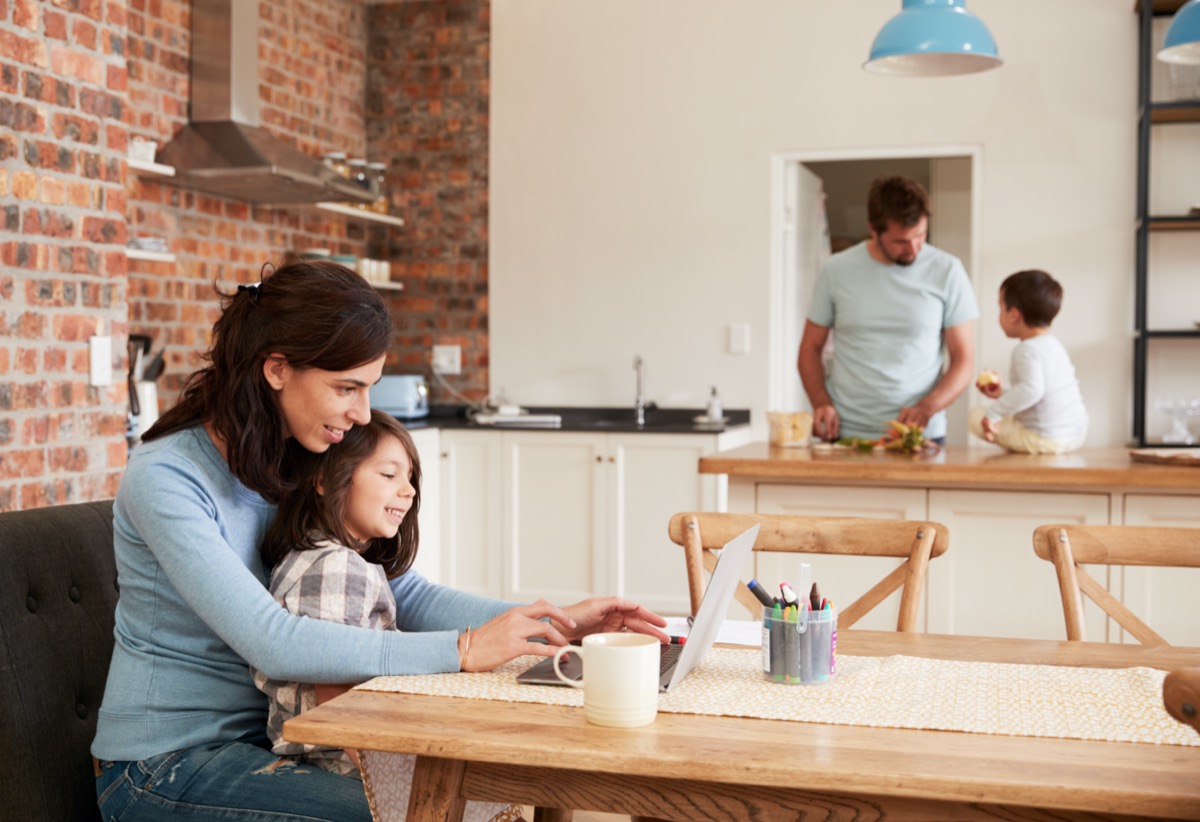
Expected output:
(436, 794)
(541, 814)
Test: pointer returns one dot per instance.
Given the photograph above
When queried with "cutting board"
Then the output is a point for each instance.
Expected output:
(1167, 456)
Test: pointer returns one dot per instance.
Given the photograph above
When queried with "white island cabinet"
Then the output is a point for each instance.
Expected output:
(566, 515)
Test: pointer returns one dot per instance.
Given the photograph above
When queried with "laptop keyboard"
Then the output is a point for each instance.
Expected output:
(667, 658)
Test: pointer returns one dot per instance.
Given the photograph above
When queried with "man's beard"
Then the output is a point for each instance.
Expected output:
(896, 260)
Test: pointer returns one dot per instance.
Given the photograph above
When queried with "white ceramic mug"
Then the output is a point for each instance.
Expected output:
(620, 678)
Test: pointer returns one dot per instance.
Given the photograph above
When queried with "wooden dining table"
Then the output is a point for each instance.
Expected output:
(693, 767)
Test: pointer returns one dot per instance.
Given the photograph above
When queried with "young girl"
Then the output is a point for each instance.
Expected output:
(334, 544)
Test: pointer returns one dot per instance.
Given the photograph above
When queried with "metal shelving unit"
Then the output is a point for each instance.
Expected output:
(1152, 114)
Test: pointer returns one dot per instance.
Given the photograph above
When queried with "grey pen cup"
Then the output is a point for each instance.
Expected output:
(799, 647)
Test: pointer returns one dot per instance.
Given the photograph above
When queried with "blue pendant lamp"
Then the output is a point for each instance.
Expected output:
(1182, 41)
(933, 38)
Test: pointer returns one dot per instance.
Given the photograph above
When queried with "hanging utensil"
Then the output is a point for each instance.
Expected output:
(154, 368)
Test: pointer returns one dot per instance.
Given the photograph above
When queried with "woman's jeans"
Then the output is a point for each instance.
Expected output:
(226, 781)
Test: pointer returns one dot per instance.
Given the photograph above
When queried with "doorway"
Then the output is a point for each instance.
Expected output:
(818, 207)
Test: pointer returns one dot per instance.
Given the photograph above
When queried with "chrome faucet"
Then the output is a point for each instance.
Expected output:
(640, 402)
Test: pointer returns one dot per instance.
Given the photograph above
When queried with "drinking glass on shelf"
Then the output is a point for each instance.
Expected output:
(1178, 410)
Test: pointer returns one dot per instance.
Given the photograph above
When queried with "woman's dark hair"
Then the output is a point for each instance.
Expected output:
(1034, 293)
(316, 314)
(896, 199)
(306, 516)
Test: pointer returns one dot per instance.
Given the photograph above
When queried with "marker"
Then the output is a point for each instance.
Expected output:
(814, 597)
(789, 596)
(778, 638)
(791, 647)
(760, 592)
(678, 640)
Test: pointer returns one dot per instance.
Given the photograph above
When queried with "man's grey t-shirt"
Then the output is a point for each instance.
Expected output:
(888, 322)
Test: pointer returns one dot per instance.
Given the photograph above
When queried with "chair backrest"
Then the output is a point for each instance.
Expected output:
(1070, 547)
(57, 599)
(914, 542)
(1181, 696)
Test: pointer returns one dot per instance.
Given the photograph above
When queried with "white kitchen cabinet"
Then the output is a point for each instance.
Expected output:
(429, 554)
(471, 511)
(553, 512)
(650, 478)
(1165, 598)
(842, 579)
(573, 514)
(989, 582)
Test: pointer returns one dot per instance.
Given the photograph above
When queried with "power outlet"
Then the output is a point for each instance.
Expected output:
(447, 359)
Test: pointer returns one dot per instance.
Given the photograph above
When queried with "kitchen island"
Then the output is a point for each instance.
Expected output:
(989, 582)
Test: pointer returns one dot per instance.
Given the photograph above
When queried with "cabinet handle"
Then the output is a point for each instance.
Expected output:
(599, 458)
(612, 459)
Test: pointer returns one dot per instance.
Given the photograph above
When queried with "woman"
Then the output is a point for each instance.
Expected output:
(182, 726)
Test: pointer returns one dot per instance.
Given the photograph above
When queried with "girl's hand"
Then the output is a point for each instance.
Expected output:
(603, 614)
(989, 429)
(512, 634)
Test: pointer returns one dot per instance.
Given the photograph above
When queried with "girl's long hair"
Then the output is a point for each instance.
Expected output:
(317, 314)
(305, 516)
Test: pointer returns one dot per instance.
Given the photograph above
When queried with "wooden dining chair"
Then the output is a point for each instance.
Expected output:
(913, 541)
(1070, 547)
(1181, 696)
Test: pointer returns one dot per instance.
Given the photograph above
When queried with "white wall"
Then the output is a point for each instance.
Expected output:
(630, 145)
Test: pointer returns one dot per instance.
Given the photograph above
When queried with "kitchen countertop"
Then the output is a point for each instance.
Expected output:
(590, 419)
(952, 467)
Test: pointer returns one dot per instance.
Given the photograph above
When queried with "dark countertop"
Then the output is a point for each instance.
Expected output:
(594, 419)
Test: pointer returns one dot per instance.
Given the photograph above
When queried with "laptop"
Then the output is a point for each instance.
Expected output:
(677, 660)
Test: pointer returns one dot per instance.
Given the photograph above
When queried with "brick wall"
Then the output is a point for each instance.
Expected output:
(79, 79)
(427, 114)
(62, 272)
(312, 86)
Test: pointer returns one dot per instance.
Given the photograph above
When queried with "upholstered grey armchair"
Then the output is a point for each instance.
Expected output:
(57, 596)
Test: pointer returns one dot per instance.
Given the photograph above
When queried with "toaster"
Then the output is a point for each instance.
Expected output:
(404, 396)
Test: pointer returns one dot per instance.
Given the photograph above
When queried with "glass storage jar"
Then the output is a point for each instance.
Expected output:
(336, 160)
(379, 187)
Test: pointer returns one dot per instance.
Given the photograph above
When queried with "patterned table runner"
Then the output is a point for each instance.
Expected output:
(1107, 704)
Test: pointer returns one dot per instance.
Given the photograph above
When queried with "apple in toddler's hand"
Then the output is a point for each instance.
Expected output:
(988, 377)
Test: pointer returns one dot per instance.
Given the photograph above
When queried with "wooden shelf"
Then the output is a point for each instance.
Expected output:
(144, 169)
(1161, 7)
(1173, 223)
(1181, 111)
(1174, 334)
(359, 214)
(149, 256)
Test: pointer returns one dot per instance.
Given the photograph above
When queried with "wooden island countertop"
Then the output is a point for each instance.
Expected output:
(953, 467)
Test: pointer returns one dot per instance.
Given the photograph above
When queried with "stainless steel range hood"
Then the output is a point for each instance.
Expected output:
(222, 150)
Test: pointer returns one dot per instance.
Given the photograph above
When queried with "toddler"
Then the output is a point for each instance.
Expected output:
(1042, 411)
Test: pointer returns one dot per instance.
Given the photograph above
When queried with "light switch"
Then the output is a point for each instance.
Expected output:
(447, 359)
(739, 338)
(100, 360)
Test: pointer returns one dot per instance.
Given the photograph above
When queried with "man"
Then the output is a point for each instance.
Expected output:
(896, 304)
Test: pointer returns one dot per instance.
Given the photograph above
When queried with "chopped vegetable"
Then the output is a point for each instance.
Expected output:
(900, 437)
